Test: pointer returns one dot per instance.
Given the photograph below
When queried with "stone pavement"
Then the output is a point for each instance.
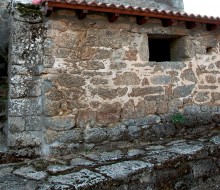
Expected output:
(177, 164)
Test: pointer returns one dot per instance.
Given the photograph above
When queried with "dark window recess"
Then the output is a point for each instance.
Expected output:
(159, 50)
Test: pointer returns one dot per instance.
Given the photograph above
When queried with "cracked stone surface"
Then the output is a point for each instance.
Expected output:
(186, 149)
(54, 169)
(105, 156)
(124, 169)
(135, 152)
(30, 173)
(160, 157)
(147, 166)
(81, 179)
(81, 162)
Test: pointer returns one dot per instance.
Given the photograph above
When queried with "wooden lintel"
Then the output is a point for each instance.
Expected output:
(112, 17)
(167, 22)
(141, 20)
(132, 12)
(211, 27)
(81, 14)
(190, 25)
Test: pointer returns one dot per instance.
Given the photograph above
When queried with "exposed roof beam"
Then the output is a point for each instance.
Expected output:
(211, 27)
(167, 22)
(141, 20)
(190, 25)
(81, 13)
(112, 17)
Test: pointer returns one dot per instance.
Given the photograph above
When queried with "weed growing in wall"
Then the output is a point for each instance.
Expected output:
(178, 118)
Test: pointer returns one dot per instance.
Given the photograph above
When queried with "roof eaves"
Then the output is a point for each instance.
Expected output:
(136, 11)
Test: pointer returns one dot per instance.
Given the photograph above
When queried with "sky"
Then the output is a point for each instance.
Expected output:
(203, 7)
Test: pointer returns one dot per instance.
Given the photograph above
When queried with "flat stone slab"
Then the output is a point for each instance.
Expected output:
(135, 152)
(162, 157)
(105, 156)
(13, 182)
(54, 169)
(79, 180)
(81, 162)
(30, 173)
(5, 171)
(122, 170)
(186, 149)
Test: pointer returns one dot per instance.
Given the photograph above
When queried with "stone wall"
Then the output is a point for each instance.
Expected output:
(77, 85)
(100, 90)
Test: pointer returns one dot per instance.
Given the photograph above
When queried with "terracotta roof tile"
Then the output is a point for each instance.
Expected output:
(139, 10)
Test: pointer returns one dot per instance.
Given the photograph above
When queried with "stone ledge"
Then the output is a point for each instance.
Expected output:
(168, 165)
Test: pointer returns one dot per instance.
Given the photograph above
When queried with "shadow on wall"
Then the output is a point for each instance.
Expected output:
(3, 99)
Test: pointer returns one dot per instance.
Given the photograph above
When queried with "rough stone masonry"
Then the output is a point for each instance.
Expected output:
(80, 85)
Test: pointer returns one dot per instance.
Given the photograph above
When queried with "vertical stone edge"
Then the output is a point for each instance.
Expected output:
(24, 135)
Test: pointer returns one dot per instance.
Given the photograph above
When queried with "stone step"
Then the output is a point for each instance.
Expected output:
(180, 164)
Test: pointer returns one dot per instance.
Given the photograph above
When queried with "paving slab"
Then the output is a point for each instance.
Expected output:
(30, 173)
(124, 169)
(79, 180)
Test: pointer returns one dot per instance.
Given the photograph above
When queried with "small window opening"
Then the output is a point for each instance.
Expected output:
(159, 50)
(169, 48)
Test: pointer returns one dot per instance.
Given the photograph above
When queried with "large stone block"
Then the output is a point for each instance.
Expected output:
(92, 135)
(54, 94)
(25, 106)
(215, 96)
(33, 123)
(16, 124)
(203, 168)
(117, 132)
(25, 86)
(109, 113)
(105, 93)
(51, 108)
(68, 136)
(183, 91)
(86, 118)
(202, 96)
(189, 75)
(73, 93)
(23, 139)
(91, 65)
(130, 111)
(161, 79)
(192, 109)
(59, 123)
(164, 130)
(110, 38)
(70, 80)
(127, 78)
(146, 91)
(169, 65)
(70, 39)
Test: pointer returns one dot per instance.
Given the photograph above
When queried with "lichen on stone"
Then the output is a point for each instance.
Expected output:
(29, 10)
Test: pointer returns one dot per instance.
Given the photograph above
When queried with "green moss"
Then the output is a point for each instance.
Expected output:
(29, 10)
(178, 118)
